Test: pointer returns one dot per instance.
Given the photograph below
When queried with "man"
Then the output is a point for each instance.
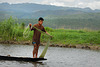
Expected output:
(37, 34)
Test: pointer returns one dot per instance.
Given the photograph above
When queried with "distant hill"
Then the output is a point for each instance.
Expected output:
(32, 10)
(76, 21)
(55, 17)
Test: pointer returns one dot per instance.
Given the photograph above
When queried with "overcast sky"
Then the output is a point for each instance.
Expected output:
(93, 4)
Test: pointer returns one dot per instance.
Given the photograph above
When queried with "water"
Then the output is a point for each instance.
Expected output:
(56, 57)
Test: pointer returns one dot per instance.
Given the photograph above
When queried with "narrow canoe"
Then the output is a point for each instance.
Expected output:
(10, 58)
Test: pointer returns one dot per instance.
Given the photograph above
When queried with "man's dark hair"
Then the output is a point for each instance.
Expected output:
(40, 19)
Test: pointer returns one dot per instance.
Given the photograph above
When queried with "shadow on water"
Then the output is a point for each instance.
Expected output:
(35, 64)
(4, 63)
(39, 64)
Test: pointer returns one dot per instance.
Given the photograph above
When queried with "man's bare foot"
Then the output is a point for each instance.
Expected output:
(34, 57)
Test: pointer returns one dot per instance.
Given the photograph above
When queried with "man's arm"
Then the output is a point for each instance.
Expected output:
(31, 28)
(48, 34)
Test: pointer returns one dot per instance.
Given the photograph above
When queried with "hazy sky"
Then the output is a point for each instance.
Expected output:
(93, 4)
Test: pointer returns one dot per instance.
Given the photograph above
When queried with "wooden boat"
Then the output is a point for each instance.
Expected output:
(27, 59)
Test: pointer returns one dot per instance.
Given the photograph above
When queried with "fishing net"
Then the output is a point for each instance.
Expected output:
(26, 32)
(26, 35)
(46, 46)
(45, 50)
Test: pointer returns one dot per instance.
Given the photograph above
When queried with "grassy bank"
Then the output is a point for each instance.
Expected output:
(66, 36)
(9, 30)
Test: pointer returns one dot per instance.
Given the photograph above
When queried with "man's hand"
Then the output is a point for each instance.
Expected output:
(51, 37)
(30, 24)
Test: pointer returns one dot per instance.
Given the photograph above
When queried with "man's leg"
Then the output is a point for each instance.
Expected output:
(37, 50)
(34, 50)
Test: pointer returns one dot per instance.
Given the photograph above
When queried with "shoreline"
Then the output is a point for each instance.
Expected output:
(91, 47)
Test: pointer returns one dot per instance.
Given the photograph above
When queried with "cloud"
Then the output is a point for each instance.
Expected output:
(58, 4)
(15, 1)
(64, 0)
(93, 4)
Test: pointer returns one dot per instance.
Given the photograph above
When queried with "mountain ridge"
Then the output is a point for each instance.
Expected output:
(32, 10)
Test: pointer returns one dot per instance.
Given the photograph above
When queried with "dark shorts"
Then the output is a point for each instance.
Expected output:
(33, 42)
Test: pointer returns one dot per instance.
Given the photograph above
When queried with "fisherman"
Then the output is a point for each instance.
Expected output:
(36, 35)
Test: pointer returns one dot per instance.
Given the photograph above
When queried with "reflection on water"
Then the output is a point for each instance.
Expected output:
(56, 57)
(22, 64)
(39, 64)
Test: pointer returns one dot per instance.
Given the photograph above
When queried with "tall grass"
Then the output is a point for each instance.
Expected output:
(10, 30)
(75, 37)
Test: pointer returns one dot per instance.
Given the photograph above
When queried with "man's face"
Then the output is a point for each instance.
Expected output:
(40, 22)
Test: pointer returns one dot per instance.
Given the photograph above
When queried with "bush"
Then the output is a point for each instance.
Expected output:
(98, 31)
(80, 31)
(10, 30)
(49, 29)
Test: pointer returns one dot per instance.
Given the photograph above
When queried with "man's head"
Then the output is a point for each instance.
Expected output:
(40, 20)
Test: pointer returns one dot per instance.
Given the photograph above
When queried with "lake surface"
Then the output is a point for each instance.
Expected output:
(56, 57)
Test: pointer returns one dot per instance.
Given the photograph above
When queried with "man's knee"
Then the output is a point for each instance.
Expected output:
(36, 47)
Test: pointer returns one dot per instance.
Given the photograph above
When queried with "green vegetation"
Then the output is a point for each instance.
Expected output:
(62, 36)
(74, 21)
(12, 30)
